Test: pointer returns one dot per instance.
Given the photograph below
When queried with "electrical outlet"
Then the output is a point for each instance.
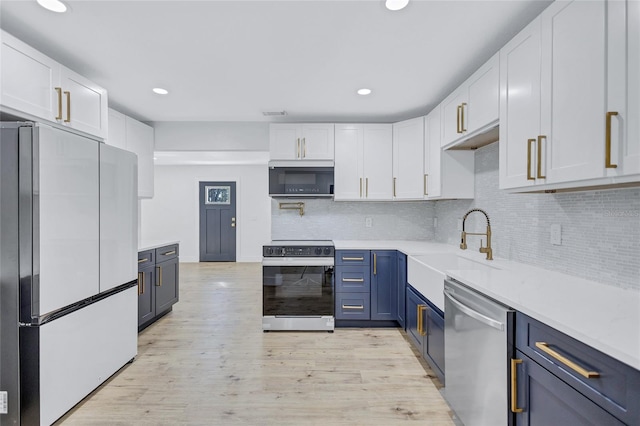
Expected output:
(435, 222)
(556, 235)
(368, 222)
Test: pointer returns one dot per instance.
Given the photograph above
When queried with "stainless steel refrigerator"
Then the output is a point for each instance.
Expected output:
(68, 272)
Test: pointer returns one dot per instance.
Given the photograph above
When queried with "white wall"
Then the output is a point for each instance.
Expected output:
(173, 213)
(211, 136)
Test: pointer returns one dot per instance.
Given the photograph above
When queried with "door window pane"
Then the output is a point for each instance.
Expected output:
(217, 195)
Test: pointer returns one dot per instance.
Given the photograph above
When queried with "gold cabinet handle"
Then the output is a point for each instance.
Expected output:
(540, 175)
(394, 187)
(140, 283)
(352, 307)
(425, 185)
(458, 126)
(607, 141)
(366, 184)
(353, 280)
(544, 347)
(159, 268)
(421, 309)
(375, 263)
(304, 147)
(146, 259)
(68, 94)
(298, 149)
(353, 258)
(169, 253)
(529, 142)
(360, 187)
(514, 386)
(59, 91)
(462, 128)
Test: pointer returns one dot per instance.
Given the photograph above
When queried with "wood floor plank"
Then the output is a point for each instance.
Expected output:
(209, 363)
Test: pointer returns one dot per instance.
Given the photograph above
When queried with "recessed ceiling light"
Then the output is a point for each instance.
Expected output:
(364, 92)
(53, 5)
(160, 91)
(396, 4)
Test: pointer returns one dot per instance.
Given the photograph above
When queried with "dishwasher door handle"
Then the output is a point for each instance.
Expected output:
(474, 314)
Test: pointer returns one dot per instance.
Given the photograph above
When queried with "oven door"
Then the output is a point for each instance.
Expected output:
(297, 287)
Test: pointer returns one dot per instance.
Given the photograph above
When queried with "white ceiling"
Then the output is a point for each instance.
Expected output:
(232, 60)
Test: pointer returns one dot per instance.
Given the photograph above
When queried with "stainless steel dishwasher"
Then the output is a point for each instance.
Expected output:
(478, 345)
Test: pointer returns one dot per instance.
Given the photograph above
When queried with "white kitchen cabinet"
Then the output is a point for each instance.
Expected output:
(363, 166)
(132, 135)
(578, 50)
(629, 154)
(472, 108)
(447, 174)
(39, 88)
(408, 153)
(301, 141)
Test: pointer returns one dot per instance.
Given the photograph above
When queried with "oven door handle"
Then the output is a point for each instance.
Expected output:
(297, 261)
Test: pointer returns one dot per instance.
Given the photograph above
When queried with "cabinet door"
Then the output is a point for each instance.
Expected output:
(117, 135)
(377, 161)
(140, 142)
(408, 159)
(415, 306)
(352, 279)
(146, 305)
(631, 148)
(547, 400)
(452, 115)
(484, 99)
(317, 142)
(384, 285)
(434, 341)
(574, 89)
(166, 285)
(402, 288)
(84, 104)
(28, 79)
(349, 181)
(432, 154)
(284, 141)
(353, 306)
(520, 108)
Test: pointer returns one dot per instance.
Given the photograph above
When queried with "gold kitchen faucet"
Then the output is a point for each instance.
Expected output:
(463, 243)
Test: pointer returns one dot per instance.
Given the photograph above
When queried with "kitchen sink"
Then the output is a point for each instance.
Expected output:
(426, 273)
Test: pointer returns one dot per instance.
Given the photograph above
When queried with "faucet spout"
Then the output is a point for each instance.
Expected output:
(463, 239)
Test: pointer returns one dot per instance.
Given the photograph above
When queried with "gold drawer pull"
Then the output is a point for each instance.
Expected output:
(514, 386)
(159, 268)
(360, 259)
(608, 164)
(68, 95)
(59, 92)
(529, 142)
(169, 253)
(540, 175)
(544, 347)
(143, 260)
(462, 129)
(352, 307)
(140, 283)
(353, 280)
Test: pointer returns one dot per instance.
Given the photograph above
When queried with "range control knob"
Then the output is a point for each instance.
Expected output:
(283, 251)
(269, 250)
(318, 250)
(327, 250)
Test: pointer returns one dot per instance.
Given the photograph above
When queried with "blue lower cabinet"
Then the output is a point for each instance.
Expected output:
(353, 306)
(546, 400)
(401, 289)
(384, 285)
(351, 279)
(425, 328)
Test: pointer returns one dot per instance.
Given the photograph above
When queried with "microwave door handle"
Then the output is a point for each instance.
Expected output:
(474, 314)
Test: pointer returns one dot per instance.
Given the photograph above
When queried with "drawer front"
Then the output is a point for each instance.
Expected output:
(353, 306)
(166, 253)
(353, 257)
(146, 258)
(614, 385)
(353, 279)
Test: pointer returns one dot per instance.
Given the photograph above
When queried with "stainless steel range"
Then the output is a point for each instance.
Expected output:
(298, 286)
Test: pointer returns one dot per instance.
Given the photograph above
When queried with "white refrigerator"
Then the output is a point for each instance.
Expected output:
(68, 271)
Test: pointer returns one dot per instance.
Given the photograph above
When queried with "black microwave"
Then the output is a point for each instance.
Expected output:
(300, 181)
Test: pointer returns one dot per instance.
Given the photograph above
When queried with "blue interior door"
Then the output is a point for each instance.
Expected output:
(217, 221)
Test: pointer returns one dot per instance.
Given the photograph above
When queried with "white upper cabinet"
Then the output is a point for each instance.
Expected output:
(301, 141)
(447, 174)
(629, 152)
(39, 88)
(408, 153)
(564, 99)
(363, 166)
(134, 136)
(474, 106)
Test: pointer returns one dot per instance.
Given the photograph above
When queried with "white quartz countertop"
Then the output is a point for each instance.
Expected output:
(153, 244)
(602, 316)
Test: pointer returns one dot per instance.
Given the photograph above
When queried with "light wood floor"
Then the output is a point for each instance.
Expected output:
(209, 363)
